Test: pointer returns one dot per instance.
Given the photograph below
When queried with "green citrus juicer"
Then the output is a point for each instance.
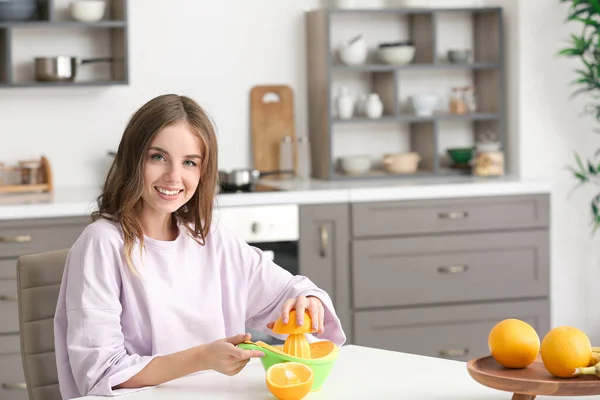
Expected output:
(323, 357)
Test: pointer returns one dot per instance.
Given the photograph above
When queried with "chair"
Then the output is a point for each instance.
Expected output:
(38, 279)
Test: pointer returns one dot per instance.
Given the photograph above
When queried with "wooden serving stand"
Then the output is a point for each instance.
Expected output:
(45, 184)
(527, 383)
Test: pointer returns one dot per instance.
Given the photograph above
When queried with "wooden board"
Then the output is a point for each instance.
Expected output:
(271, 119)
(529, 382)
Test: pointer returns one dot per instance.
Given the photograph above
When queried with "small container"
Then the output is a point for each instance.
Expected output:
(30, 172)
(286, 154)
(488, 160)
(304, 159)
(458, 105)
(374, 106)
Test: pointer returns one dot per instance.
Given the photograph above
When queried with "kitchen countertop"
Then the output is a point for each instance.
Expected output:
(65, 202)
(359, 373)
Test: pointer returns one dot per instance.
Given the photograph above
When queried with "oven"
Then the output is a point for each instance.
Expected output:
(272, 228)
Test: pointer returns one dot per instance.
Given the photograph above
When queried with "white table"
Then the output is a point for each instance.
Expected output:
(360, 373)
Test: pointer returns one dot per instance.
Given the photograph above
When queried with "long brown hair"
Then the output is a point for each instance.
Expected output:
(121, 197)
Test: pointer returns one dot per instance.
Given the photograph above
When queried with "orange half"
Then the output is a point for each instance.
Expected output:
(289, 380)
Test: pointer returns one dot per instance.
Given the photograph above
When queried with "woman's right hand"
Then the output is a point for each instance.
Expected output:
(225, 357)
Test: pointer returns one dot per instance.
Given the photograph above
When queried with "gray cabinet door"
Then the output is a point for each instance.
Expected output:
(324, 254)
(453, 268)
(19, 237)
(450, 215)
(452, 332)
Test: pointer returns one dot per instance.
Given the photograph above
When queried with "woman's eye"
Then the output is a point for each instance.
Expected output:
(190, 163)
(157, 157)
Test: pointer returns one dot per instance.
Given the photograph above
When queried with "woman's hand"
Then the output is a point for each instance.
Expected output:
(300, 304)
(225, 357)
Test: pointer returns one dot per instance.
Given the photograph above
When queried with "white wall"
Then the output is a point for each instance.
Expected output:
(213, 51)
(551, 128)
(198, 56)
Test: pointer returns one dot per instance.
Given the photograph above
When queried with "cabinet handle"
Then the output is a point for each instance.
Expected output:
(16, 385)
(453, 215)
(453, 269)
(454, 353)
(324, 240)
(4, 297)
(16, 239)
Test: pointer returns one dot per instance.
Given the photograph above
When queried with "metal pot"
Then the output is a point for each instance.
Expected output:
(61, 68)
(239, 178)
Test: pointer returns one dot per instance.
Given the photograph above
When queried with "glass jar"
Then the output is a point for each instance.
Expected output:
(30, 172)
(488, 160)
(458, 104)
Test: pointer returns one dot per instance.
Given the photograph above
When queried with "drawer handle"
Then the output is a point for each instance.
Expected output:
(4, 297)
(324, 240)
(13, 386)
(453, 215)
(16, 239)
(454, 353)
(453, 269)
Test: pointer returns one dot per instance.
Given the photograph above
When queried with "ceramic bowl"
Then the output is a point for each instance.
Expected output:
(459, 56)
(87, 10)
(460, 155)
(397, 55)
(425, 104)
(401, 163)
(355, 165)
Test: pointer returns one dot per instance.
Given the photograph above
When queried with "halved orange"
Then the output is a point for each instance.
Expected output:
(289, 380)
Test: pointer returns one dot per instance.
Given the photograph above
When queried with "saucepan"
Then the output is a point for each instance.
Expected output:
(61, 68)
(239, 178)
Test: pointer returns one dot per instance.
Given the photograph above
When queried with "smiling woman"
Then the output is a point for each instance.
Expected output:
(153, 290)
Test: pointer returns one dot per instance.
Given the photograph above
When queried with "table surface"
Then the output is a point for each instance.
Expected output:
(359, 373)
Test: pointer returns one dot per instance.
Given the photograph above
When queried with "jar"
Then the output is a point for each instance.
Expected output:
(458, 105)
(30, 172)
(488, 160)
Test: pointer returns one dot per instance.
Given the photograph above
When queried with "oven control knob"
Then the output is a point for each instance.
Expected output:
(255, 227)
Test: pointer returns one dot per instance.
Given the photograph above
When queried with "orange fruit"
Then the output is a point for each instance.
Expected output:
(289, 380)
(565, 348)
(514, 343)
(292, 327)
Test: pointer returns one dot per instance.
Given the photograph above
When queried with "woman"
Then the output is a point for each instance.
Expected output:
(152, 289)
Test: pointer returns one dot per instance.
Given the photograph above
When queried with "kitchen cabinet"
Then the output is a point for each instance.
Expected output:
(433, 277)
(19, 237)
(324, 254)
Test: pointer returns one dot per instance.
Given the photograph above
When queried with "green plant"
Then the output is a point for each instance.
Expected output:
(586, 47)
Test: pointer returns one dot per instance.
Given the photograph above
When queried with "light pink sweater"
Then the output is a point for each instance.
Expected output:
(109, 323)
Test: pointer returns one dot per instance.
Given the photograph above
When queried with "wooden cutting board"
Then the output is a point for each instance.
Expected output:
(271, 119)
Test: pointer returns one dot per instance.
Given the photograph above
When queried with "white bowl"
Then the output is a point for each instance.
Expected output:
(88, 10)
(355, 165)
(397, 55)
(425, 104)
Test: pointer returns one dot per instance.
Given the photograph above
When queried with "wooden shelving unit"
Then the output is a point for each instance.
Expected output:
(50, 19)
(424, 133)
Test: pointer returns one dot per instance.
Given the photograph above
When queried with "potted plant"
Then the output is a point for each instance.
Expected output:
(586, 47)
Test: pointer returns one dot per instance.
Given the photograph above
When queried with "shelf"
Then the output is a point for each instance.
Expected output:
(380, 174)
(421, 66)
(412, 10)
(416, 118)
(61, 84)
(433, 31)
(63, 24)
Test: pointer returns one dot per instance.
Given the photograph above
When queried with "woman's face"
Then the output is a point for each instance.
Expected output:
(171, 170)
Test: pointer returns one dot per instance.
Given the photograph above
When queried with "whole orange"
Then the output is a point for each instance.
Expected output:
(514, 343)
(565, 348)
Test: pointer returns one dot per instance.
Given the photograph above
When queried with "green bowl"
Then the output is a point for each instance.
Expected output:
(321, 366)
(461, 156)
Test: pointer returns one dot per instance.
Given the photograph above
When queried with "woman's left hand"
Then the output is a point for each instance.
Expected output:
(300, 304)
